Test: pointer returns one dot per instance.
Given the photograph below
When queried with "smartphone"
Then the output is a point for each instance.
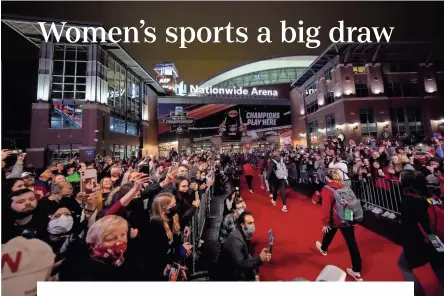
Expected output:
(88, 180)
(174, 272)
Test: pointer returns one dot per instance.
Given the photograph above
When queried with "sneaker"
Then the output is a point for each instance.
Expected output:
(273, 202)
(251, 191)
(271, 195)
(391, 216)
(386, 214)
(262, 187)
(313, 201)
(319, 247)
(284, 209)
(355, 275)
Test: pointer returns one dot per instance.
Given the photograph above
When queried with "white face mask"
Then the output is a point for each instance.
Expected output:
(61, 225)
(240, 211)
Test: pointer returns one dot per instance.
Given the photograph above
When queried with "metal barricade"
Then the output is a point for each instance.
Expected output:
(379, 195)
(198, 225)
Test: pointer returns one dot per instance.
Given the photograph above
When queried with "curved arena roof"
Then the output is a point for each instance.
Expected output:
(301, 62)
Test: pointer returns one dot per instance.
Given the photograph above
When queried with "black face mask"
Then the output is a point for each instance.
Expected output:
(173, 211)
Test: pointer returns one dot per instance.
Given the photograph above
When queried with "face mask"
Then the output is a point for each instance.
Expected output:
(113, 254)
(249, 231)
(240, 211)
(173, 211)
(61, 225)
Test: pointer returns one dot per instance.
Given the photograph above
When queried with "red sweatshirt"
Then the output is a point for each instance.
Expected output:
(329, 217)
(248, 169)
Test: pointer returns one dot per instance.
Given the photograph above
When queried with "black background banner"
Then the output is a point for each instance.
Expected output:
(248, 117)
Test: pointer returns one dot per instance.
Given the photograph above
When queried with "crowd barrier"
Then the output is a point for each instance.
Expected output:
(380, 195)
(197, 227)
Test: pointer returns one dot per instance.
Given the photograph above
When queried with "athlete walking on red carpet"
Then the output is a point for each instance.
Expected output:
(277, 177)
(332, 222)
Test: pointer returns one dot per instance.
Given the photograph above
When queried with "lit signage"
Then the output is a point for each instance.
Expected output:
(181, 89)
(310, 91)
(179, 120)
(262, 118)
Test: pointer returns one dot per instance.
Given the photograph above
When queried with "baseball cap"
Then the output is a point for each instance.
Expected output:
(24, 263)
(27, 174)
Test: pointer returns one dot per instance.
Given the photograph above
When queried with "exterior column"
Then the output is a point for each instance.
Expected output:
(428, 74)
(45, 71)
(39, 121)
(96, 75)
(150, 125)
(374, 79)
(344, 81)
(216, 142)
(297, 113)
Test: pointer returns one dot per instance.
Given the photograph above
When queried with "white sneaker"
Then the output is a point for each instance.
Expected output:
(319, 247)
(271, 195)
(284, 209)
(262, 187)
(251, 191)
(273, 202)
(386, 214)
(355, 275)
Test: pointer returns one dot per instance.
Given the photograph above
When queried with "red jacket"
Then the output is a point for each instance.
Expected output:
(248, 169)
(329, 217)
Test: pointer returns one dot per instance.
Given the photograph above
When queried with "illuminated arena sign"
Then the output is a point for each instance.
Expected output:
(181, 89)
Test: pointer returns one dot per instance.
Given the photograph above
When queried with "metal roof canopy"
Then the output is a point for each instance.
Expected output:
(29, 28)
(367, 53)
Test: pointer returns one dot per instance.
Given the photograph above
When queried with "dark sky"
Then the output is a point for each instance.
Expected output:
(412, 21)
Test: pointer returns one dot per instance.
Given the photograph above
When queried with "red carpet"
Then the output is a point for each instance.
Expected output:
(295, 254)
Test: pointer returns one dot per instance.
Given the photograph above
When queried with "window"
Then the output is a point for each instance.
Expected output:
(66, 116)
(407, 121)
(330, 98)
(330, 125)
(133, 96)
(312, 107)
(62, 153)
(118, 151)
(402, 66)
(313, 132)
(69, 72)
(358, 69)
(116, 77)
(361, 89)
(410, 89)
(132, 151)
(327, 74)
(394, 89)
(117, 125)
(367, 119)
(132, 129)
(311, 88)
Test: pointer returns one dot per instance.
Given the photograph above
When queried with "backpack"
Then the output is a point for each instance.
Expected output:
(281, 171)
(346, 203)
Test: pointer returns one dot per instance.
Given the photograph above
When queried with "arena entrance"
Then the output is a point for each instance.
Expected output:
(193, 123)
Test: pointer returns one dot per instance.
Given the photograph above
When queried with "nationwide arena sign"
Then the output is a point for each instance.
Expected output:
(181, 89)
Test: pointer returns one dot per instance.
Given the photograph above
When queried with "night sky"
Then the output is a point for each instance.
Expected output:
(412, 21)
